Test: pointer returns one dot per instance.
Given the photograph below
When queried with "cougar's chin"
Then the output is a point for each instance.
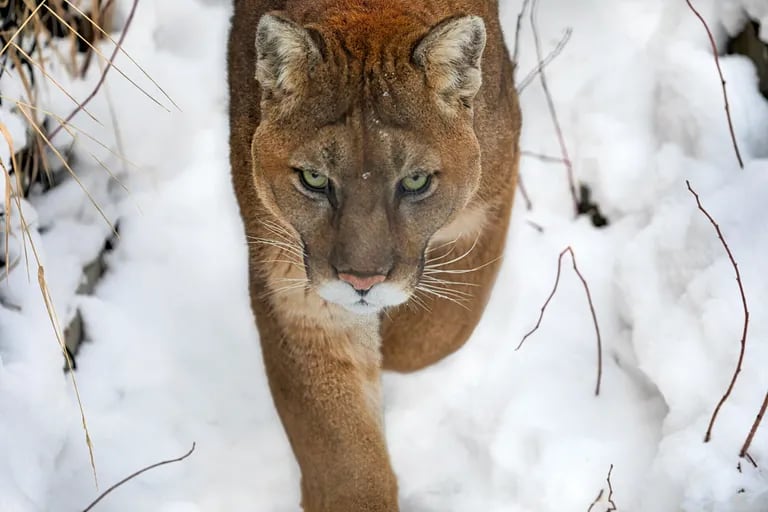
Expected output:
(369, 302)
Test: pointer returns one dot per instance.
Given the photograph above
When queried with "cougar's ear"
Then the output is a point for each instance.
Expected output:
(285, 55)
(450, 56)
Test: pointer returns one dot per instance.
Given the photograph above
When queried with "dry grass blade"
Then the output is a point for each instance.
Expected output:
(14, 164)
(7, 219)
(743, 341)
(103, 77)
(80, 106)
(722, 82)
(128, 56)
(59, 337)
(7, 201)
(43, 289)
(569, 250)
(71, 129)
(138, 473)
(32, 16)
(110, 62)
(71, 172)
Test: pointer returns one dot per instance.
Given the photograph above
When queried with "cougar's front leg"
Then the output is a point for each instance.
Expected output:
(325, 383)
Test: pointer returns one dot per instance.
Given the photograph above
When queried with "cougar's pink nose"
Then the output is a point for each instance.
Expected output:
(362, 284)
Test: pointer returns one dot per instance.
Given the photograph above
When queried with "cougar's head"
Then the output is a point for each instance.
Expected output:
(366, 146)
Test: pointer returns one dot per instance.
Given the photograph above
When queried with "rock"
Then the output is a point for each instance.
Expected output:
(748, 43)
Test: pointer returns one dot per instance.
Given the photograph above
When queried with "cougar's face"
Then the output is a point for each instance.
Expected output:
(363, 201)
(362, 166)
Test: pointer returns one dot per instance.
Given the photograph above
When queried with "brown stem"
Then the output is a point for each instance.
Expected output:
(610, 491)
(137, 473)
(722, 82)
(609, 498)
(525, 82)
(748, 442)
(517, 30)
(569, 250)
(103, 77)
(524, 192)
(544, 158)
(553, 112)
(596, 500)
(743, 342)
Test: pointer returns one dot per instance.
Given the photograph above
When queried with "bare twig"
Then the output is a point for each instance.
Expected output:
(544, 158)
(137, 473)
(722, 81)
(524, 192)
(95, 91)
(94, 49)
(106, 35)
(748, 442)
(553, 112)
(609, 498)
(537, 227)
(525, 82)
(596, 500)
(517, 30)
(569, 250)
(743, 341)
(610, 491)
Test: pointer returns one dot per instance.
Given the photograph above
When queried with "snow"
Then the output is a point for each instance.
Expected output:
(172, 354)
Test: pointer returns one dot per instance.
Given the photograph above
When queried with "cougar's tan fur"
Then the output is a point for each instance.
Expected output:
(365, 92)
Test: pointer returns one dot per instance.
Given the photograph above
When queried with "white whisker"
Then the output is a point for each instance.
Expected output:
(443, 296)
(432, 271)
(454, 260)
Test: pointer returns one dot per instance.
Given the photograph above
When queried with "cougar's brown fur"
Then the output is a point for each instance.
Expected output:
(361, 98)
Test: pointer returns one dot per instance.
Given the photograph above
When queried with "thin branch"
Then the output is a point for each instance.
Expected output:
(98, 52)
(596, 500)
(722, 82)
(87, 100)
(106, 35)
(137, 473)
(612, 507)
(553, 112)
(569, 250)
(525, 82)
(609, 498)
(748, 442)
(544, 158)
(743, 341)
(524, 192)
(517, 30)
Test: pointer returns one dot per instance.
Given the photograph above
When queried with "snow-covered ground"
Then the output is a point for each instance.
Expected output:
(172, 353)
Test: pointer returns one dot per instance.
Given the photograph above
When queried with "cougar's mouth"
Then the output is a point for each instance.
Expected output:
(367, 302)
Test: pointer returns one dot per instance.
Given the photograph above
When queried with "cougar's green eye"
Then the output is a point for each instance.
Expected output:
(416, 183)
(313, 181)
